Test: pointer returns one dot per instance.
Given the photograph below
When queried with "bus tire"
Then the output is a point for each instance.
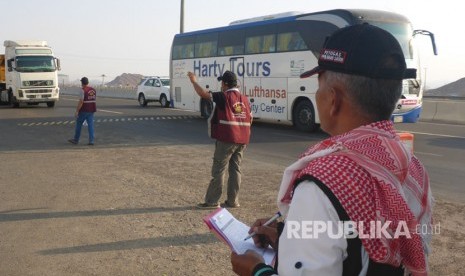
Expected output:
(303, 116)
(164, 101)
(206, 108)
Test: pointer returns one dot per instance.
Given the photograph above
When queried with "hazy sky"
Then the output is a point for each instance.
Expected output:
(111, 37)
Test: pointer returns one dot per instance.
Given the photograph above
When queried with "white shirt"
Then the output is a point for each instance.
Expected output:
(302, 251)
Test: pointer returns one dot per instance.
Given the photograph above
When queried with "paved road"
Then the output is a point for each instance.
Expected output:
(122, 123)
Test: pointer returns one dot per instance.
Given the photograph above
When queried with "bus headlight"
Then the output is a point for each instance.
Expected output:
(49, 83)
(26, 83)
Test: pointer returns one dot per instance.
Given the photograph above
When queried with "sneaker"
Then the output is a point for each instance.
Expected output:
(90, 144)
(207, 206)
(227, 205)
(72, 141)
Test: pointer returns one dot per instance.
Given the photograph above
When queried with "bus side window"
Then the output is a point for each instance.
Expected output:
(231, 42)
(291, 42)
(269, 42)
(252, 45)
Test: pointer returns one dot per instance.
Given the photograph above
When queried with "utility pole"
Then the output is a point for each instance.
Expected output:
(103, 79)
(181, 30)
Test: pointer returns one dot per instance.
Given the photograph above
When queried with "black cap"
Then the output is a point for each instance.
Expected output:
(362, 50)
(228, 78)
(85, 81)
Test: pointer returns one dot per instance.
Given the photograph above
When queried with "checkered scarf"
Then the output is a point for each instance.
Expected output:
(375, 178)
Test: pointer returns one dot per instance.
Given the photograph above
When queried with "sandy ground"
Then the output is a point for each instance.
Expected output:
(130, 211)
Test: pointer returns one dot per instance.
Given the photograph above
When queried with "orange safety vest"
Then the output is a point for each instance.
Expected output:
(232, 124)
(89, 104)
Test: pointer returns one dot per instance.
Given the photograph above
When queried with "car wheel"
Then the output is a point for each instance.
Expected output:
(142, 100)
(164, 101)
(304, 117)
(50, 104)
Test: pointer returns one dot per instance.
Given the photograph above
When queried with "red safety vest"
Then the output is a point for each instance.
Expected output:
(90, 95)
(232, 124)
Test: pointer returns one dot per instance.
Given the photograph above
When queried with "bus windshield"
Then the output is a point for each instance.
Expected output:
(402, 32)
(35, 64)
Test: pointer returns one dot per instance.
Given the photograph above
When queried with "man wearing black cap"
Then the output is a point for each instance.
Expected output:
(363, 175)
(230, 126)
(85, 112)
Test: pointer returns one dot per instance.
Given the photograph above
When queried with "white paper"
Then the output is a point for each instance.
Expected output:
(235, 231)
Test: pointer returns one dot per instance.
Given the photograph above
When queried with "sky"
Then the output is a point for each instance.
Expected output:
(111, 37)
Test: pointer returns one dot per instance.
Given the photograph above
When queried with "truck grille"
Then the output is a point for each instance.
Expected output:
(38, 83)
(44, 96)
(39, 91)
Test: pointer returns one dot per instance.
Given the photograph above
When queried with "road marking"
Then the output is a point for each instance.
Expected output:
(427, 153)
(433, 134)
(109, 111)
(111, 120)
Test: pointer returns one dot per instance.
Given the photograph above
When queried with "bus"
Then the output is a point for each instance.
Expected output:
(269, 53)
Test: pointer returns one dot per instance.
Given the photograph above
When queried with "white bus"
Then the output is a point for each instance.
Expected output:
(269, 53)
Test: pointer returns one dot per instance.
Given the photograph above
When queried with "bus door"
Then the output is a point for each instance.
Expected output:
(269, 86)
(245, 83)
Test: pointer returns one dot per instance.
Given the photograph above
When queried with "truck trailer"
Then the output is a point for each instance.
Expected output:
(28, 73)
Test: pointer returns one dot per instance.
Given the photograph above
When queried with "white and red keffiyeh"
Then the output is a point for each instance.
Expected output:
(375, 178)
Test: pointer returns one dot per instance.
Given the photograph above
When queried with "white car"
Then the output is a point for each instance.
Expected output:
(154, 89)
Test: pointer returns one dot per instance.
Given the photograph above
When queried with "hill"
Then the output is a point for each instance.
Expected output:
(453, 89)
(126, 80)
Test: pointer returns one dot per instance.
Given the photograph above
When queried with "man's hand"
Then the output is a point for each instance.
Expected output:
(245, 263)
(192, 77)
(265, 235)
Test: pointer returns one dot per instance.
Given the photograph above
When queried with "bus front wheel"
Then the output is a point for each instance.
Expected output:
(206, 108)
(304, 117)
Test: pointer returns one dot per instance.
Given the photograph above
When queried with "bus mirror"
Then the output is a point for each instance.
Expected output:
(302, 88)
(431, 35)
(433, 41)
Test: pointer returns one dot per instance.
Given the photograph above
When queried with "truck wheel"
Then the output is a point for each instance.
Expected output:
(304, 117)
(50, 104)
(12, 101)
(142, 101)
(164, 101)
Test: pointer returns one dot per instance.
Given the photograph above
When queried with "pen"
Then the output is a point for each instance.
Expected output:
(275, 217)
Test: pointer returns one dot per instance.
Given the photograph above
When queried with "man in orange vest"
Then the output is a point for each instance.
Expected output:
(230, 126)
(85, 112)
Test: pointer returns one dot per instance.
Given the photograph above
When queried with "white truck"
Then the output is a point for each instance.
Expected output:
(28, 73)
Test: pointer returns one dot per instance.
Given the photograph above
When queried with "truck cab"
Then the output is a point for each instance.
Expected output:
(29, 73)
